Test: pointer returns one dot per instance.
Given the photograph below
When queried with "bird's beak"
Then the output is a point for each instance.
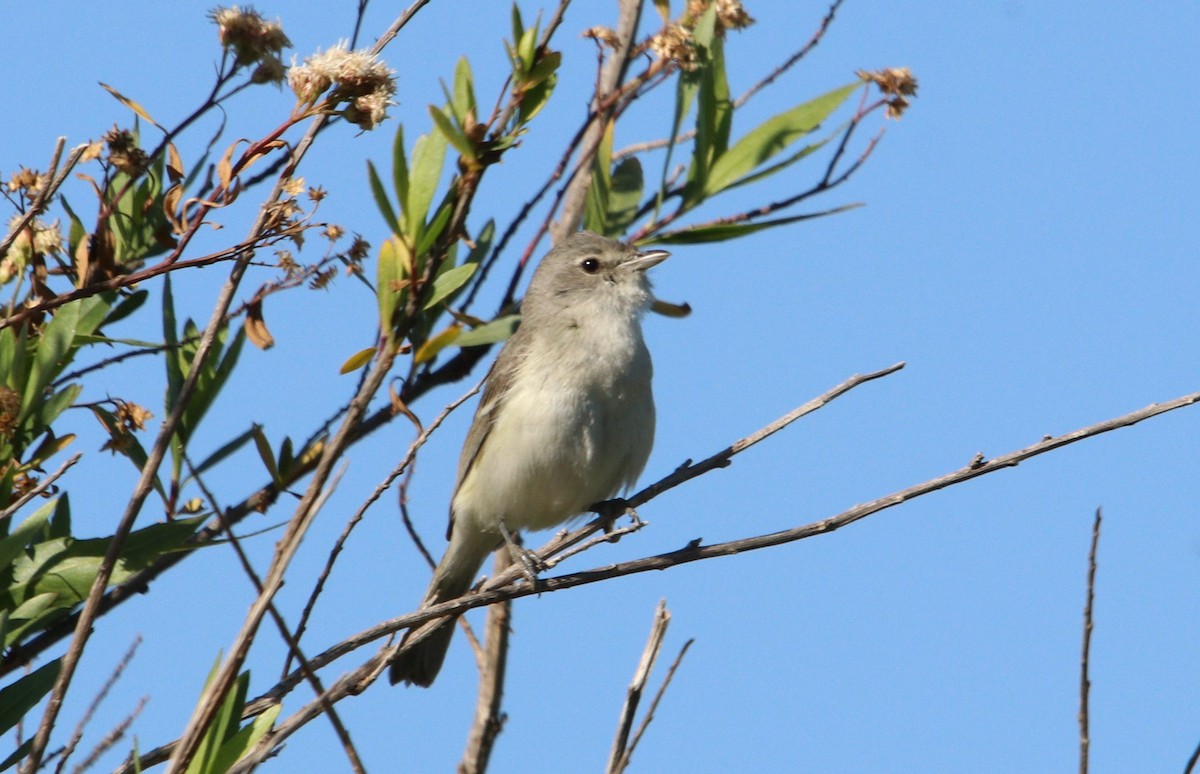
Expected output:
(643, 261)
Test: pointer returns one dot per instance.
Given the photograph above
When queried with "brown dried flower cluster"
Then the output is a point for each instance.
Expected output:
(730, 14)
(897, 82)
(28, 182)
(10, 409)
(124, 153)
(605, 36)
(357, 78)
(674, 43)
(130, 417)
(253, 40)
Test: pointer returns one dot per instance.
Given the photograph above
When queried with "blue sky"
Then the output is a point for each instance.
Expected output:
(1028, 247)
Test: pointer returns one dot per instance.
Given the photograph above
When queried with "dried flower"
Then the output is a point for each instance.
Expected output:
(10, 409)
(37, 238)
(603, 35)
(131, 416)
(357, 78)
(316, 194)
(251, 37)
(333, 232)
(28, 181)
(359, 249)
(730, 14)
(674, 43)
(124, 153)
(898, 82)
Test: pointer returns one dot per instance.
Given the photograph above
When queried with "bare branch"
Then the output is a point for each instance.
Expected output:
(619, 756)
(493, 662)
(1085, 683)
(658, 695)
(610, 80)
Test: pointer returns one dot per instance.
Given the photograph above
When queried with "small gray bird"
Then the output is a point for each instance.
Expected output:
(566, 420)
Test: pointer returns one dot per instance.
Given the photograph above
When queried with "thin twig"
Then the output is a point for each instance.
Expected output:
(658, 695)
(42, 486)
(492, 660)
(618, 756)
(112, 737)
(695, 551)
(42, 200)
(77, 734)
(1085, 684)
(614, 71)
(382, 487)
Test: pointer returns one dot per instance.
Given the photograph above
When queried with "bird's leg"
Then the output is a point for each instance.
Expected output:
(530, 563)
(611, 510)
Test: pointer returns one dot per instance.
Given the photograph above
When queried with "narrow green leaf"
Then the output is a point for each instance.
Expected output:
(226, 449)
(721, 233)
(625, 196)
(400, 169)
(17, 754)
(489, 333)
(265, 453)
(392, 271)
(773, 136)
(24, 534)
(22, 695)
(546, 66)
(357, 360)
(452, 133)
(125, 307)
(245, 739)
(51, 356)
(381, 200)
(435, 229)
(535, 99)
(428, 155)
(58, 403)
(464, 89)
(449, 281)
(595, 214)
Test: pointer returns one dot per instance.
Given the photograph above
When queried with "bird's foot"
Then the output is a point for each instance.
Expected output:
(611, 510)
(531, 564)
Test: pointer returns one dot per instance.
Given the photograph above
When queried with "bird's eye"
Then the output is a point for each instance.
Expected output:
(590, 265)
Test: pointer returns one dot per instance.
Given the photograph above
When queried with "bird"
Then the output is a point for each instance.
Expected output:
(566, 421)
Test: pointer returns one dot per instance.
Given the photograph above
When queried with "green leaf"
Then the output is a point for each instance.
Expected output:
(245, 739)
(125, 307)
(449, 281)
(51, 355)
(705, 146)
(723, 232)
(392, 271)
(381, 200)
(428, 154)
(489, 333)
(535, 99)
(17, 754)
(464, 90)
(400, 169)
(29, 529)
(452, 133)
(226, 449)
(435, 228)
(595, 214)
(625, 196)
(19, 697)
(773, 136)
(266, 454)
(546, 66)
(59, 402)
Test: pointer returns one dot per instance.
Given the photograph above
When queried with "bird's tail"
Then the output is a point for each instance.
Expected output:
(418, 661)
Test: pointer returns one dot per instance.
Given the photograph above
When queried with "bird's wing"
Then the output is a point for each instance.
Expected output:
(496, 387)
